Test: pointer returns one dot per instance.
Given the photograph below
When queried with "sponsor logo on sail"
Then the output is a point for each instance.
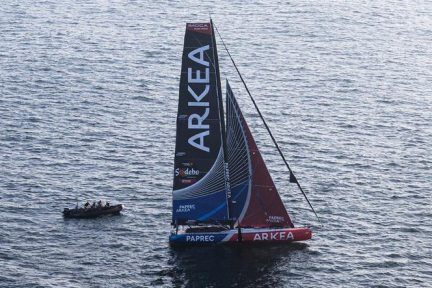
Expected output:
(198, 94)
(275, 219)
(227, 182)
(187, 181)
(185, 208)
(184, 172)
(201, 27)
(198, 25)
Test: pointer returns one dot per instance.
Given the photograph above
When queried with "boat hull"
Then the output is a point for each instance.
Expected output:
(247, 235)
(73, 213)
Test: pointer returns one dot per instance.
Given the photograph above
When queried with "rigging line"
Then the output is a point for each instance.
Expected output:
(267, 127)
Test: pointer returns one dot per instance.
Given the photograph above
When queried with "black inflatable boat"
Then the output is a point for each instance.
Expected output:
(92, 212)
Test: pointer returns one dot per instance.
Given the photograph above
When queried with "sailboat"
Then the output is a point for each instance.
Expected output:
(222, 190)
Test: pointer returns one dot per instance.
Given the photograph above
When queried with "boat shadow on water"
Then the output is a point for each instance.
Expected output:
(233, 265)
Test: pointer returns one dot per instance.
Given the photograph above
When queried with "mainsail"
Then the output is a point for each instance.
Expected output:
(199, 189)
(256, 200)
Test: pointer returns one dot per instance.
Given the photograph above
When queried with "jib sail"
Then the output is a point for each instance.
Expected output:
(199, 191)
(256, 201)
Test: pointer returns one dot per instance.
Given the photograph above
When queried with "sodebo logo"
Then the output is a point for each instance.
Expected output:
(186, 172)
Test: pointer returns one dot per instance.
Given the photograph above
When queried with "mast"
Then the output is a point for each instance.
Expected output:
(222, 121)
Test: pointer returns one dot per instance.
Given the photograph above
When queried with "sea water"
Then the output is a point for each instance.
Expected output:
(88, 105)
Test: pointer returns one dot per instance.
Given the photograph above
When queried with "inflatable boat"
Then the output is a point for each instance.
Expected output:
(92, 212)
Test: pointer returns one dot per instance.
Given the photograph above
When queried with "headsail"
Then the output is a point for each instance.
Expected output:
(293, 179)
(199, 191)
(257, 201)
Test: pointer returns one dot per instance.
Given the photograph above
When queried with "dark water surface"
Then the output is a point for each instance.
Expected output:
(88, 103)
